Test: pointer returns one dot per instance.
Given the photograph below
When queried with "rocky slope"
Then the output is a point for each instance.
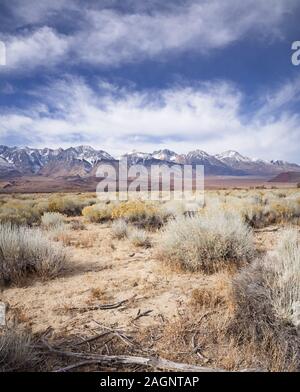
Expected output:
(83, 161)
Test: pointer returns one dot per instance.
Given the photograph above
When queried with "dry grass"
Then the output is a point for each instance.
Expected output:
(285, 282)
(16, 353)
(265, 299)
(139, 238)
(25, 252)
(207, 298)
(52, 221)
(84, 240)
(120, 229)
(77, 225)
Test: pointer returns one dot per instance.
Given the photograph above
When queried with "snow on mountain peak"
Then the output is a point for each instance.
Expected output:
(232, 155)
(165, 155)
(28, 160)
(198, 153)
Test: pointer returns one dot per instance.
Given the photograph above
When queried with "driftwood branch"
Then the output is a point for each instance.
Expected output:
(85, 359)
(159, 363)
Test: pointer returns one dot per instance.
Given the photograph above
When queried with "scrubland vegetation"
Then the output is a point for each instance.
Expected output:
(225, 277)
(207, 241)
(16, 353)
(265, 297)
(52, 220)
(25, 252)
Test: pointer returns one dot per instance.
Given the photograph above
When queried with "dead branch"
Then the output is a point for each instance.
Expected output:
(110, 360)
(92, 338)
(159, 363)
(266, 230)
(115, 305)
(142, 314)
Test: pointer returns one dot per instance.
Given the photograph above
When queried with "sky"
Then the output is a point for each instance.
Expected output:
(123, 75)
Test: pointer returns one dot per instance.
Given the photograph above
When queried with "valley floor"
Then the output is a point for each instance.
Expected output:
(77, 184)
(103, 271)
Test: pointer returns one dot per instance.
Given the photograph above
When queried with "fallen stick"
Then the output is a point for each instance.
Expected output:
(143, 314)
(266, 230)
(75, 365)
(153, 362)
(92, 338)
(102, 306)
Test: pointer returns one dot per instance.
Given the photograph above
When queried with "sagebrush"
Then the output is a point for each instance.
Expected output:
(25, 252)
(207, 241)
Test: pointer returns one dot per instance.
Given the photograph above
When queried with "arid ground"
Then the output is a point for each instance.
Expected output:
(121, 295)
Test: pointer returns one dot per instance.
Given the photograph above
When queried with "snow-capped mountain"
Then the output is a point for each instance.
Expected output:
(212, 165)
(47, 161)
(6, 168)
(28, 160)
(83, 161)
(254, 166)
(135, 157)
(232, 156)
(167, 155)
(86, 153)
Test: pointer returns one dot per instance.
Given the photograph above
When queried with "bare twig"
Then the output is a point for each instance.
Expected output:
(142, 314)
(77, 365)
(92, 338)
(115, 305)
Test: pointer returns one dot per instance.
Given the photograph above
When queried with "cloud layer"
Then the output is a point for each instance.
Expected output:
(72, 42)
(107, 36)
(208, 116)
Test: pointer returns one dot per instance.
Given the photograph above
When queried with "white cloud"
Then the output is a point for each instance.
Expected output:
(38, 11)
(207, 116)
(43, 47)
(107, 37)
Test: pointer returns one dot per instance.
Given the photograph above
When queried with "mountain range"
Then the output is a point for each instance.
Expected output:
(83, 161)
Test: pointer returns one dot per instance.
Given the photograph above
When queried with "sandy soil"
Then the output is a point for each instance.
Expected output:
(103, 270)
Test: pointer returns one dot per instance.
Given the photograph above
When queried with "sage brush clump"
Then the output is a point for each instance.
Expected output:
(207, 242)
(25, 252)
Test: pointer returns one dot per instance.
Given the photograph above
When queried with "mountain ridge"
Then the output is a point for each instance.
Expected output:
(83, 161)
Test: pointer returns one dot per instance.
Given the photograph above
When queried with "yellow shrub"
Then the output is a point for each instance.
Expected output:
(19, 212)
(132, 210)
(68, 205)
(281, 211)
(141, 213)
(98, 212)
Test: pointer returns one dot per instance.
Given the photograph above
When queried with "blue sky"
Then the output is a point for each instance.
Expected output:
(145, 75)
